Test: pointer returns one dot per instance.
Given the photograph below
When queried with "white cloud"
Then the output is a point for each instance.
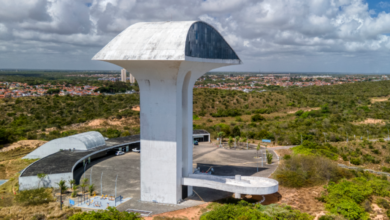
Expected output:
(303, 35)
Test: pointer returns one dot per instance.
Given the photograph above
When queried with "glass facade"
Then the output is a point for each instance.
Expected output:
(203, 41)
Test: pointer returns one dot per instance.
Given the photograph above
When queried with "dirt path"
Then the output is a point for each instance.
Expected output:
(371, 121)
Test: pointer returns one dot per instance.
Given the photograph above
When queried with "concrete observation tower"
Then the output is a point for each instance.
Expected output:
(167, 58)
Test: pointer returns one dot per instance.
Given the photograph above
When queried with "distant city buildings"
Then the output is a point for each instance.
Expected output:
(132, 78)
(259, 82)
(123, 75)
(16, 89)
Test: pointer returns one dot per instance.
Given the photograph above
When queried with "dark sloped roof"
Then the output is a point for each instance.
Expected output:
(63, 161)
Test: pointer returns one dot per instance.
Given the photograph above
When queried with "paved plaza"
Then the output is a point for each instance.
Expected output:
(126, 169)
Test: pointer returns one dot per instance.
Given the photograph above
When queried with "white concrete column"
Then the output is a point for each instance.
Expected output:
(237, 195)
(166, 124)
(197, 70)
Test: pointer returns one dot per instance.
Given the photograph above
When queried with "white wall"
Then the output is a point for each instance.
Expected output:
(51, 180)
(166, 124)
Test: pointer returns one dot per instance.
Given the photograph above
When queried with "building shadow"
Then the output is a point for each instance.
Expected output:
(226, 170)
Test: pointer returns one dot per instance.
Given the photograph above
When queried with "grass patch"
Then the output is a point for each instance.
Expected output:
(34, 197)
(15, 153)
(312, 148)
(195, 117)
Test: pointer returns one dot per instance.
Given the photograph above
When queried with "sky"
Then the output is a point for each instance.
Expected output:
(350, 36)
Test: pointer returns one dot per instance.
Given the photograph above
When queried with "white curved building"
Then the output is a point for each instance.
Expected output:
(82, 141)
(167, 58)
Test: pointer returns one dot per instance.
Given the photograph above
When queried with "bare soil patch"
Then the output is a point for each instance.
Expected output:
(283, 152)
(371, 121)
(189, 213)
(136, 108)
(303, 199)
(304, 109)
(380, 99)
(24, 143)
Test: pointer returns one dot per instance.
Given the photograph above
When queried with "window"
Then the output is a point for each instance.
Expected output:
(204, 41)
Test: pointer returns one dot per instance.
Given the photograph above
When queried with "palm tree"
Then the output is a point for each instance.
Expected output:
(91, 188)
(63, 188)
(75, 188)
(71, 183)
(83, 185)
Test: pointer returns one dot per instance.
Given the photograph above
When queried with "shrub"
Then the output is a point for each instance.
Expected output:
(309, 170)
(109, 213)
(257, 118)
(385, 169)
(34, 197)
(209, 120)
(376, 151)
(238, 119)
(299, 113)
(383, 203)
(356, 161)
(287, 157)
(195, 117)
(344, 197)
(345, 158)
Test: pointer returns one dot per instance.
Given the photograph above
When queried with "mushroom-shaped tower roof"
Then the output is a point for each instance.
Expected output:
(169, 41)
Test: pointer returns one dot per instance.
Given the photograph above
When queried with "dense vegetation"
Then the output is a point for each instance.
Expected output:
(353, 198)
(246, 211)
(22, 118)
(329, 112)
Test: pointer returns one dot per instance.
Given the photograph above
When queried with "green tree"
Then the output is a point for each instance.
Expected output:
(257, 150)
(41, 176)
(91, 188)
(257, 118)
(269, 157)
(62, 186)
(74, 188)
(230, 142)
(71, 183)
(237, 139)
(221, 135)
(83, 185)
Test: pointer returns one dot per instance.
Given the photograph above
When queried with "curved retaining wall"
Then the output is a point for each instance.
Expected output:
(246, 185)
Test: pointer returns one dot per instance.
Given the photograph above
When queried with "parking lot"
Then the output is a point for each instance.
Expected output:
(126, 168)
